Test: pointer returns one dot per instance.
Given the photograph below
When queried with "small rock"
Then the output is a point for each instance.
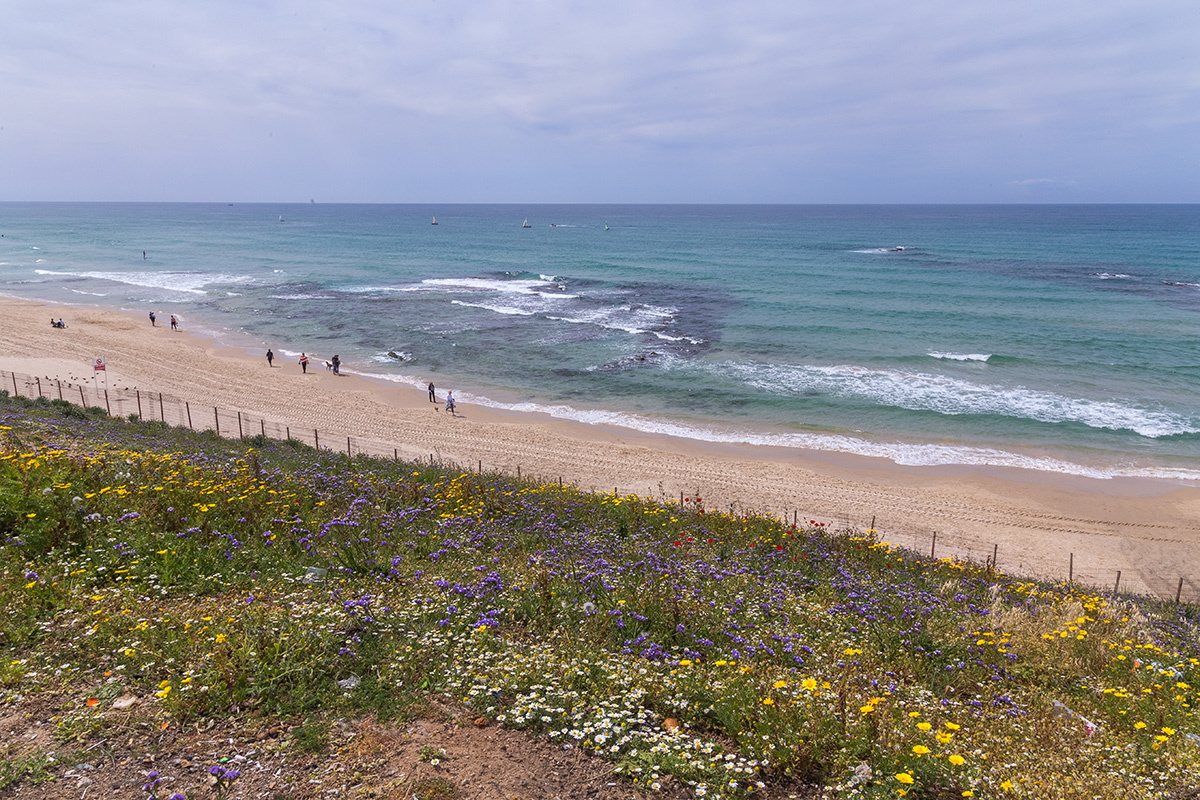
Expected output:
(124, 701)
(481, 722)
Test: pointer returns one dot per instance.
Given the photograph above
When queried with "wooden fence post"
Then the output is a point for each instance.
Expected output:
(1071, 569)
(161, 414)
(1117, 585)
(188, 407)
(1179, 591)
(217, 417)
(82, 401)
(56, 380)
(106, 405)
(933, 545)
(316, 439)
(14, 377)
(262, 428)
(39, 385)
(241, 434)
(138, 392)
(347, 445)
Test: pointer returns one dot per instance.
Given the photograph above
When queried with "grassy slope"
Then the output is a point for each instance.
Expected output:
(729, 653)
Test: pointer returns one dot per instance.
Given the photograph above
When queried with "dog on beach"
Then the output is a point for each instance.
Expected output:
(328, 365)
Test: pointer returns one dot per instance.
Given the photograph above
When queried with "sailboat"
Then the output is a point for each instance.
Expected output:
(526, 224)
(434, 220)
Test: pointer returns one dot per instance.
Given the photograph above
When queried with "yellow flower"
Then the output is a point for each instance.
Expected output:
(956, 760)
(768, 701)
(968, 793)
(1169, 731)
(920, 749)
(1139, 725)
(904, 777)
(809, 684)
(220, 638)
(952, 726)
(779, 684)
(1006, 785)
(867, 709)
(924, 726)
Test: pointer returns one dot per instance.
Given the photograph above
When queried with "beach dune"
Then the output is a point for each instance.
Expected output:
(1036, 523)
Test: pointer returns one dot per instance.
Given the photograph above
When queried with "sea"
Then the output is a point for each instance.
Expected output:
(1056, 338)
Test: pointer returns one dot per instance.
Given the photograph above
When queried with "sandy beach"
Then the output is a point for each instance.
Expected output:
(1035, 522)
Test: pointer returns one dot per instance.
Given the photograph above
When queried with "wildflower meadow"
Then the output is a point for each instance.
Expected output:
(718, 654)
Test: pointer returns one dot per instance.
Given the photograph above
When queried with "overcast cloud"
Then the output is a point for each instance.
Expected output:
(619, 101)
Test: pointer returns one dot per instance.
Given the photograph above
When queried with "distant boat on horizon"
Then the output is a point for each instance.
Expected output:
(526, 224)
(434, 220)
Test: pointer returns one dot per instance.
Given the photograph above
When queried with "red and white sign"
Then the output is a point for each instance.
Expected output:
(98, 364)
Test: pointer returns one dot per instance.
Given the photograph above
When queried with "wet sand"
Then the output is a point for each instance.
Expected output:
(1034, 521)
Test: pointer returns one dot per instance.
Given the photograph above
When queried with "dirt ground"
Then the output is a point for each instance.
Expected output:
(443, 754)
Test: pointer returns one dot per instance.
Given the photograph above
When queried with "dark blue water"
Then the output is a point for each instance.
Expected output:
(1056, 337)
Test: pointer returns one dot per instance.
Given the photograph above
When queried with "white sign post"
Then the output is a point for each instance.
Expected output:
(99, 365)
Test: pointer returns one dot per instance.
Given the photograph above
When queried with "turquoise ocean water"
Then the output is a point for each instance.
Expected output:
(1062, 338)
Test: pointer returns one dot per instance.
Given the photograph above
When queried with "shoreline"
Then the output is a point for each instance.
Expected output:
(1145, 527)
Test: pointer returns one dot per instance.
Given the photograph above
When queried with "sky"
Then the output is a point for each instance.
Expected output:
(620, 101)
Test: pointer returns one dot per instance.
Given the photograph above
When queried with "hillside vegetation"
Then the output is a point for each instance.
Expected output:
(700, 652)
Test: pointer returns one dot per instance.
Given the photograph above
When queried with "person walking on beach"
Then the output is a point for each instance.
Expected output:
(449, 402)
(152, 318)
(432, 393)
(174, 323)
(337, 365)
(304, 363)
(270, 358)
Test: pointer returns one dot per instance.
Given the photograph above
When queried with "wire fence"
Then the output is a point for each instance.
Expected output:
(231, 423)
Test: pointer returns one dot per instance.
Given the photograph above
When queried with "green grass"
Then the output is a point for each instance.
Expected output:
(732, 653)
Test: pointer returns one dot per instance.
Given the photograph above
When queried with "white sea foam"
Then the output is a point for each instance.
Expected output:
(896, 249)
(511, 311)
(919, 391)
(301, 297)
(476, 286)
(960, 356)
(489, 285)
(189, 282)
(90, 294)
(526, 298)
(1109, 276)
(623, 317)
(903, 453)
